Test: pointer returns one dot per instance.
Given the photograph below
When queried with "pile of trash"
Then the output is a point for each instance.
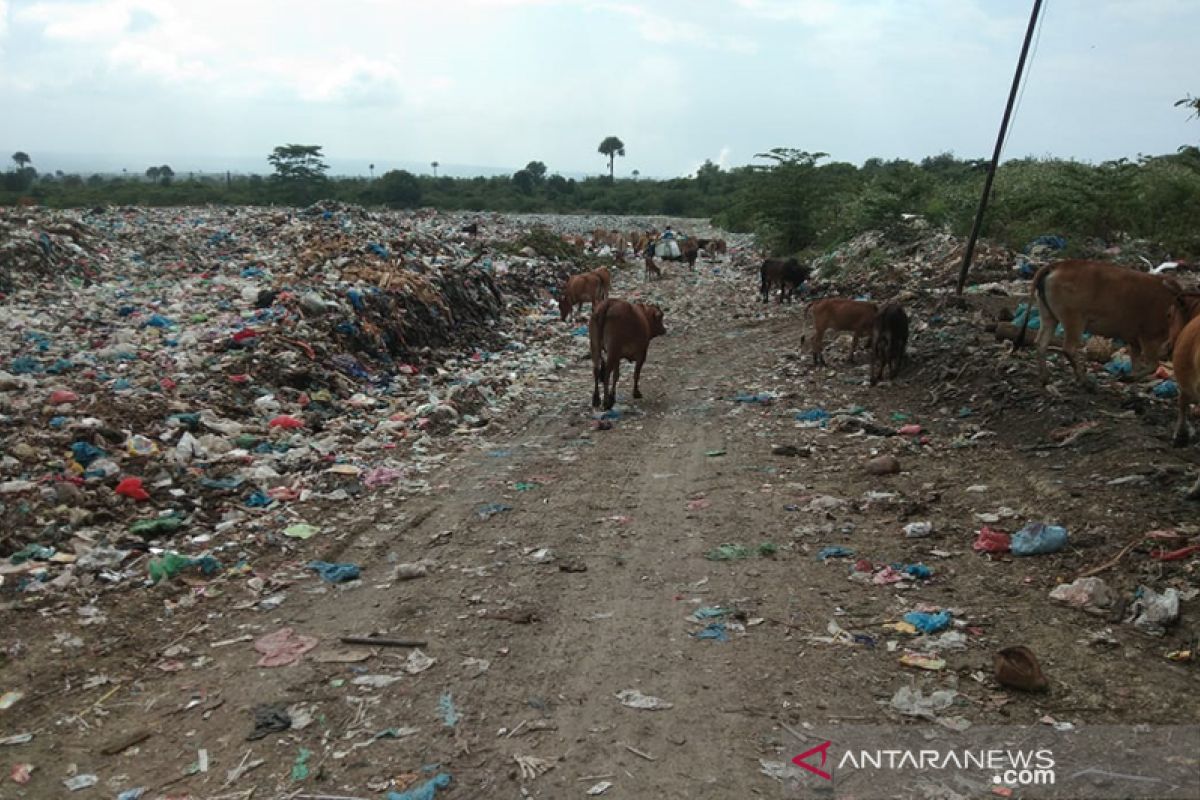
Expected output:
(171, 374)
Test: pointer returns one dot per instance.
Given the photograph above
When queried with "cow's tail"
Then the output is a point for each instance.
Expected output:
(1037, 291)
(763, 290)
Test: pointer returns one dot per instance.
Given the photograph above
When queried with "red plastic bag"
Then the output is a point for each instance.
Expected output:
(912, 429)
(286, 422)
(991, 541)
(132, 488)
(61, 396)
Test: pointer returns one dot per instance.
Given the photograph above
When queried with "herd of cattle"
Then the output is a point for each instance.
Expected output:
(1153, 315)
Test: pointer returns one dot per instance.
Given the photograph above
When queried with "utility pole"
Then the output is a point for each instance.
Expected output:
(991, 175)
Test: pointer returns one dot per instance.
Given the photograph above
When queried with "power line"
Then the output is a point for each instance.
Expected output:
(991, 175)
(1037, 39)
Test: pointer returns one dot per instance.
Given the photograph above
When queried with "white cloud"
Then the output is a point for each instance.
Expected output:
(79, 22)
(661, 29)
(809, 12)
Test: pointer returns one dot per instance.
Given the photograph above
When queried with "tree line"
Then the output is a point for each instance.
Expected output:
(793, 200)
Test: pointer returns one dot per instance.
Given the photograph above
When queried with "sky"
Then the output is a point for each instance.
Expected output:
(484, 86)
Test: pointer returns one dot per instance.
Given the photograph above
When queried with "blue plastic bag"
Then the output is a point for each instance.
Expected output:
(1119, 366)
(714, 630)
(928, 623)
(425, 791)
(812, 415)
(1038, 538)
(1166, 389)
(835, 551)
(334, 573)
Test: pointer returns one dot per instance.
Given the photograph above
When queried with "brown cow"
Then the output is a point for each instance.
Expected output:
(888, 341)
(1106, 300)
(580, 289)
(651, 268)
(837, 314)
(689, 251)
(1184, 332)
(620, 330)
(605, 281)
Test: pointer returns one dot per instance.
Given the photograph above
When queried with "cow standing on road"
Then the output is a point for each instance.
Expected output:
(620, 330)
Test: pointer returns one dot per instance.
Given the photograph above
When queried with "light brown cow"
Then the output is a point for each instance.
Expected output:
(620, 330)
(1105, 300)
(838, 314)
(580, 289)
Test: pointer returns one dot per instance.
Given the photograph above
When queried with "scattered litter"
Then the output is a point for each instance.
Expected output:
(269, 719)
(425, 791)
(918, 530)
(1038, 538)
(334, 573)
(450, 715)
(912, 703)
(635, 699)
(599, 788)
(300, 769)
(1090, 594)
(283, 647)
(532, 767)
(79, 782)
(714, 630)
(171, 564)
(301, 531)
(1018, 668)
(923, 661)
(928, 623)
(491, 509)
(1152, 612)
(834, 551)
(992, 541)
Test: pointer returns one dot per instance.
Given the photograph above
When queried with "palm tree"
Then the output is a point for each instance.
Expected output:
(22, 158)
(434, 164)
(372, 168)
(152, 173)
(612, 147)
(636, 174)
(165, 173)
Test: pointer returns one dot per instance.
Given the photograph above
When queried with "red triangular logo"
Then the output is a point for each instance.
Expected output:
(823, 749)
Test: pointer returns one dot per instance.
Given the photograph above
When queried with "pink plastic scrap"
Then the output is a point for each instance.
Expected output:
(283, 647)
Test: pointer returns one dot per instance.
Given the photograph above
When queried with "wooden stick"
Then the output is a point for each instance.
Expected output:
(371, 640)
(123, 744)
(1113, 561)
(637, 752)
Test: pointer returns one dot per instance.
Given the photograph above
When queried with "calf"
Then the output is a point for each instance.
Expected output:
(580, 289)
(836, 314)
(1106, 300)
(888, 340)
(651, 268)
(786, 273)
(620, 330)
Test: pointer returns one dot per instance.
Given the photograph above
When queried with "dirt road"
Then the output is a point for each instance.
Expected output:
(538, 617)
